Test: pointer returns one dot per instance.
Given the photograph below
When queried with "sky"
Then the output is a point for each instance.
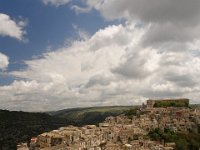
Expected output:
(58, 54)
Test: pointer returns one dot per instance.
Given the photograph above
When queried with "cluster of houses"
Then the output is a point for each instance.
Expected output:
(122, 132)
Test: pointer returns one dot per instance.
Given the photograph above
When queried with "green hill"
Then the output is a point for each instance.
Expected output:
(18, 126)
(90, 115)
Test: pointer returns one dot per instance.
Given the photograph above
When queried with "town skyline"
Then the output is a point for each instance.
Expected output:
(157, 125)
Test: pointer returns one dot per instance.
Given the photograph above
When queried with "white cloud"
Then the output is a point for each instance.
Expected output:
(56, 2)
(79, 9)
(109, 68)
(137, 66)
(168, 21)
(154, 54)
(9, 27)
(80, 33)
(4, 61)
(65, 76)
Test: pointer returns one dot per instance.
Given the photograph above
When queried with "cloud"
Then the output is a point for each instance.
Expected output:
(56, 2)
(80, 33)
(161, 11)
(168, 21)
(136, 66)
(154, 53)
(109, 68)
(98, 80)
(65, 77)
(79, 9)
(159, 34)
(11, 28)
(4, 61)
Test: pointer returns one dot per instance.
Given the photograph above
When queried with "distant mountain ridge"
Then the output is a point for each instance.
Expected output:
(89, 115)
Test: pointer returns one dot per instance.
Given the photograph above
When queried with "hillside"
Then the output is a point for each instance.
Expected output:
(17, 126)
(90, 115)
(181, 130)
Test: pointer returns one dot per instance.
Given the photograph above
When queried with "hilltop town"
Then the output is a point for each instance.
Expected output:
(139, 129)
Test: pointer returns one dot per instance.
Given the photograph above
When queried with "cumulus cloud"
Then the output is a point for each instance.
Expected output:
(109, 68)
(4, 61)
(66, 76)
(168, 21)
(154, 53)
(11, 28)
(56, 2)
(136, 66)
(155, 11)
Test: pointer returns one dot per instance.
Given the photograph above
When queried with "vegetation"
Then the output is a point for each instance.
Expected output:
(183, 141)
(131, 112)
(92, 115)
(17, 127)
(166, 103)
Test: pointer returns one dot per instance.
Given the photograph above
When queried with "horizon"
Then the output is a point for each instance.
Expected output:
(57, 54)
(73, 108)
